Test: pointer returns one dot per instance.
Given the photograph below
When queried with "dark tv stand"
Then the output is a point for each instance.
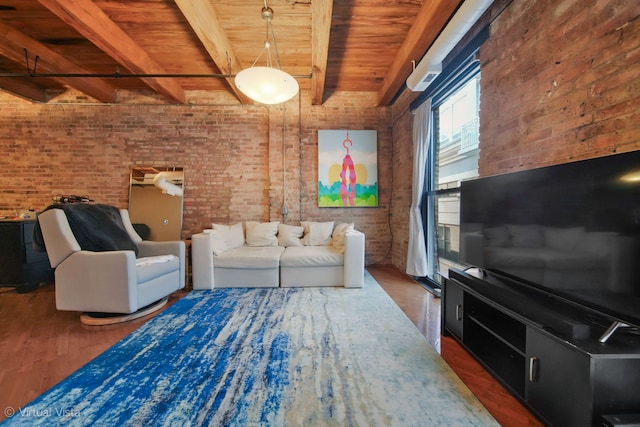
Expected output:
(546, 352)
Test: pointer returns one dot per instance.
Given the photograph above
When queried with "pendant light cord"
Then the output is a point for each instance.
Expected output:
(267, 15)
(275, 44)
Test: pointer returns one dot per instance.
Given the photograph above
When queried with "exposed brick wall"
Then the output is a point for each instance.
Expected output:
(560, 82)
(232, 156)
(354, 111)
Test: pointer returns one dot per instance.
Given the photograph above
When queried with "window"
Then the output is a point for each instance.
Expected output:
(453, 159)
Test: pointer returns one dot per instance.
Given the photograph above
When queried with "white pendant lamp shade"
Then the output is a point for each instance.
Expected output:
(267, 85)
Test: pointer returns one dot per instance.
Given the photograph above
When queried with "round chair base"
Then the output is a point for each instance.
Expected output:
(100, 319)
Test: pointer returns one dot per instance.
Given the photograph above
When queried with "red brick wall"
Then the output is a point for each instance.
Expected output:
(349, 112)
(560, 82)
(232, 156)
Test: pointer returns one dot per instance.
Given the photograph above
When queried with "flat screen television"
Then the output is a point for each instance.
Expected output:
(570, 230)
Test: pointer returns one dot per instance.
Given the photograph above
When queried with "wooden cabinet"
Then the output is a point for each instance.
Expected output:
(20, 265)
(519, 339)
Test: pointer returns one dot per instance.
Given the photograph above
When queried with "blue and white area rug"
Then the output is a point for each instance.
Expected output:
(266, 357)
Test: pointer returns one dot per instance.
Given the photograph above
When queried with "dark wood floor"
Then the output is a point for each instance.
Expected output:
(40, 346)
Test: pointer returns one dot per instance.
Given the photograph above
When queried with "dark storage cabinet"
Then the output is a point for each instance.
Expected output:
(558, 381)
(20, 265)
(529, 344)
(453, 310)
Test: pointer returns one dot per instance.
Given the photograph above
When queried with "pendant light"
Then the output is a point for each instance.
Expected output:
(267, 85)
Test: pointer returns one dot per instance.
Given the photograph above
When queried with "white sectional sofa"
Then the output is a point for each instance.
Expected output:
(271, 254)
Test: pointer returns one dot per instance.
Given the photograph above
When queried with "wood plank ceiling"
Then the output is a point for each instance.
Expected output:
(171, 46)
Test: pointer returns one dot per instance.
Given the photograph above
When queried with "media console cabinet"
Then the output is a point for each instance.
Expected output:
(544, 350)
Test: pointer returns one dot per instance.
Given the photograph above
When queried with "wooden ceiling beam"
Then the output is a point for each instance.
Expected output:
(22, 89)
(90, 21)
(12, 46)
(431, 19)
(321, 15)
(205, 23)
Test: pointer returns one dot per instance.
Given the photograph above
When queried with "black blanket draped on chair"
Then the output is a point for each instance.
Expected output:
(96, 227)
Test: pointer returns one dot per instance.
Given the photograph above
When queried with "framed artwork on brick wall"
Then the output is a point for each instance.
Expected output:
(347, 168)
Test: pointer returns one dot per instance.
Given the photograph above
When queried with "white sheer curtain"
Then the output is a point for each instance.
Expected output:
(419, 255)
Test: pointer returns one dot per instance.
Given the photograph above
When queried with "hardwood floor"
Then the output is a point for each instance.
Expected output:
(424, 311)
(40, 346)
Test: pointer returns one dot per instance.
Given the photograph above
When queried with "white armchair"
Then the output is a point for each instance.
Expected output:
(111, 281)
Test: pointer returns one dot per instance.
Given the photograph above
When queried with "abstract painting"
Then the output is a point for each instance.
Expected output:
(347, 168)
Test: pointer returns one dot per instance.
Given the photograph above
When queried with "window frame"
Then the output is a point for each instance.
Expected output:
(460, 70)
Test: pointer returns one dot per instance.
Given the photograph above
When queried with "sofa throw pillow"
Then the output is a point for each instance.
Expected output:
(262, 233)
(317, 233)
(290, 235)
(233, 235)
(217, 241)
(339, 235)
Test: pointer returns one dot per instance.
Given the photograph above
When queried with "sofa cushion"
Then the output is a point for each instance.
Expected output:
(317, 233)
(304, 256)
(233, 235)
(290, 235)
(151, 267)
(338, 235)
(217, 241)
(153, 260)
(250, 257)
(261, 233)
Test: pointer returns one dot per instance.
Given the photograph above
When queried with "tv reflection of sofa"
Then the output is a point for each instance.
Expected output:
(560, 258)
